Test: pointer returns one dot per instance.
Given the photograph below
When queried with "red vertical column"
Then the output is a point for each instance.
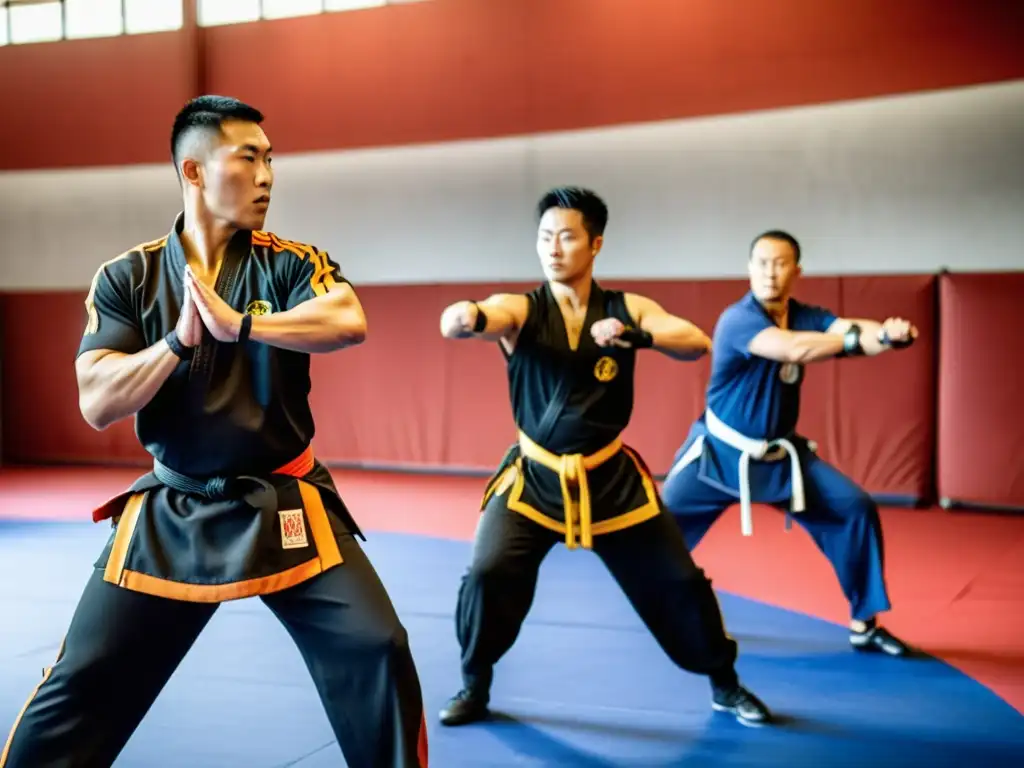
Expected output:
(195, 47)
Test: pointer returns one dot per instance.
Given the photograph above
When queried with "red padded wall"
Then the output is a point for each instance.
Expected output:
(981, 391)
(408, 398)
(457, 69)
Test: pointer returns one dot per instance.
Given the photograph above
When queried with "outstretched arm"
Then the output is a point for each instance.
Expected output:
(499, 317)
(796, 346)
(876, 337)
(671, 335)
(813, 346)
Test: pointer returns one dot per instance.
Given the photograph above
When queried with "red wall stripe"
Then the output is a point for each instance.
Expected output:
(409, 398)
(455, 69)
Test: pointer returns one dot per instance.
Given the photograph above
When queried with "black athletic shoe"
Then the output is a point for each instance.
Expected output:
(745, 706)
(464, 707)
(879, 640)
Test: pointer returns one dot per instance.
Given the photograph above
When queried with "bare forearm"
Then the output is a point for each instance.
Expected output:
(310, 328)
(679, 339)
(116, 385)
(812, 347)
(497, 321)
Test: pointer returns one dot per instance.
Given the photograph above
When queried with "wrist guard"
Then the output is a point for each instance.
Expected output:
(179, 349)
(481, 320)
(637, 338)
(851, 342)
(245, 329)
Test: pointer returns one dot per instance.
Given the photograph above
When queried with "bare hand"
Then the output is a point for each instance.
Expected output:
(606, 332)
(458, 320)
(899, 331)
(223, 323)
(190, 325)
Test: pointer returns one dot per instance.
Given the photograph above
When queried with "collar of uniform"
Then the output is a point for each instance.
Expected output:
(238, 247)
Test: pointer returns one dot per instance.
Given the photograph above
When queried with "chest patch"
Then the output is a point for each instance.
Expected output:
(606, 369)
(293, 529)
(259, 307)
(789, 373)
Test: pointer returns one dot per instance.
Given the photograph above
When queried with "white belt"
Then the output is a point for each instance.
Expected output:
(757, 449)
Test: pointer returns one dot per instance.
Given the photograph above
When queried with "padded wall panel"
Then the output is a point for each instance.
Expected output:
(981, 391)
(408, 398)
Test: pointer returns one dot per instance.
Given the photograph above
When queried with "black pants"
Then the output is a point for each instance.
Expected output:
(122, 647)
(649, 561)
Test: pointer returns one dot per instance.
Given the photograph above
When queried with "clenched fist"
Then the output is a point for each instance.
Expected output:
(459, 319)
(899, 332)
(606, 332)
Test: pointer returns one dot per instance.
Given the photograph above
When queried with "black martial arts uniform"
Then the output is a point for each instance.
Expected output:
(236, 506)
(570, 478)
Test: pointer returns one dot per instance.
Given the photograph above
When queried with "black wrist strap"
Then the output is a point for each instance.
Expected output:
(481, 320)
(179, 349)
(851, 342)
(245, 329)
(637, 338)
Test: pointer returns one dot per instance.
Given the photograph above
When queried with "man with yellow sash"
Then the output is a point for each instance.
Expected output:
(570, 348)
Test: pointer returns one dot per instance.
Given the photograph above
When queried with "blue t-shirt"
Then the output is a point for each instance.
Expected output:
(757, 397)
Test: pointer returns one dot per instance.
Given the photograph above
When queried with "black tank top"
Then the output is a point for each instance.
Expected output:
(570, 401)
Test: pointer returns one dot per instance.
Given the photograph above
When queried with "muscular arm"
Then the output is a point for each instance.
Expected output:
(796, 346)
(113, 385)
(673, 336)
(505, 313)
(325, 323)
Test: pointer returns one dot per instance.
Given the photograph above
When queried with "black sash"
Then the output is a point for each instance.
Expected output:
(257, 492)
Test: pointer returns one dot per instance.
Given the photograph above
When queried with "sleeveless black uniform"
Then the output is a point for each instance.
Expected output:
(236, 506)
(578, 402)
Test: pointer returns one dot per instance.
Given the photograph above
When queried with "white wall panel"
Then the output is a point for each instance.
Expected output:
(900, 184)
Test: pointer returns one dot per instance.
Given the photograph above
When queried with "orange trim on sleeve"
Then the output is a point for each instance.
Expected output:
(322, 279)
(92, 318)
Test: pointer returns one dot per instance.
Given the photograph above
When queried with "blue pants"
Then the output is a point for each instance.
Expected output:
(841, 518)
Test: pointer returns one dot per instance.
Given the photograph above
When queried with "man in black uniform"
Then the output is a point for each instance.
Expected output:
(570, 348)
(205, 336)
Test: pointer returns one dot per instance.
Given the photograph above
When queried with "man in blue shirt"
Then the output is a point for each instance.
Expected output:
(745, 445)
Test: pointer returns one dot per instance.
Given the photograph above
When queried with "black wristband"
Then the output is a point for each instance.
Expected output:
(481, 320)
(851, 342)
(245, 329)
(179, 349)
(637, 338)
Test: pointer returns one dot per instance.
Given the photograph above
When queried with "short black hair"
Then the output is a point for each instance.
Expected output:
(208, 113)
(591, 207)
(777, 234)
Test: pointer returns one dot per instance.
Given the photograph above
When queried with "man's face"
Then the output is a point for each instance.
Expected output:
(565, 249)
(237, 176)
(773, 269)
